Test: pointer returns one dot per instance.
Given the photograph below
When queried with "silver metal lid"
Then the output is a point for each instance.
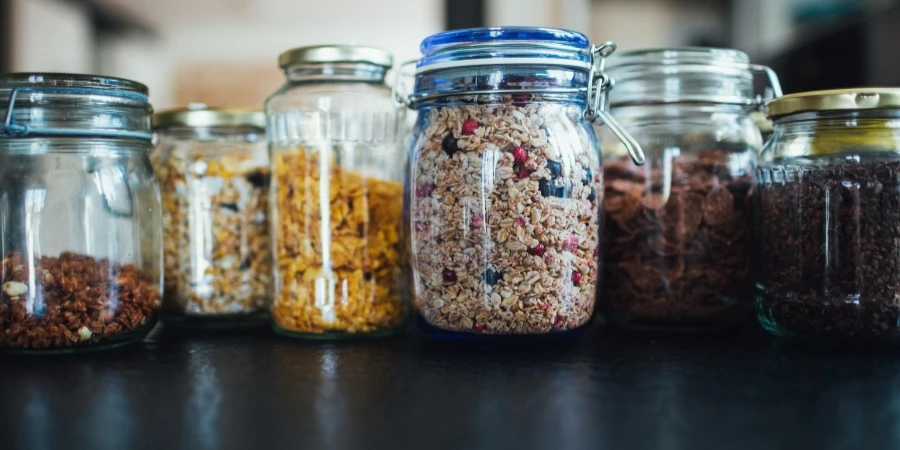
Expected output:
(687, 75)
(324, 54)
(200, 116)
(62, 104)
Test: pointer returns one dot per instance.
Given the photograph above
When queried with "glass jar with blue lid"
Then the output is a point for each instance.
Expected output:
(505, 189)
(80, 222)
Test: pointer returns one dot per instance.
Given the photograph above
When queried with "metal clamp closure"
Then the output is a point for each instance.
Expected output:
(597, 107)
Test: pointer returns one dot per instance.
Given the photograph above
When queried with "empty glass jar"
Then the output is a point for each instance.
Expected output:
(213, 168)
(505, 186)
(80, 226)
(337, 163)
(830, 216)
(679, 229)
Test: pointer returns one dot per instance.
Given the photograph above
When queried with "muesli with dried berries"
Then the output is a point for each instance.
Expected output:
(678, 244)
(215, 222)
(72, 300)
(338, 265)
(505, 208)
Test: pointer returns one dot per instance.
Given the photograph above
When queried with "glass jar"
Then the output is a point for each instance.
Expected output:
(80, 225)
(335, 141)
(504, 191)
(679, 229)
(829, 213)
(213, 168)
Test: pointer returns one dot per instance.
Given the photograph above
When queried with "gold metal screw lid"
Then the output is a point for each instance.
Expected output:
(200, 116)
(835, 100)
(323, 54)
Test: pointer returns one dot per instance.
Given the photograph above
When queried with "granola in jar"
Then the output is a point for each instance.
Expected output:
(72, 300)
(505, 191)
(505, 217)
(337, 244)
(214, 176)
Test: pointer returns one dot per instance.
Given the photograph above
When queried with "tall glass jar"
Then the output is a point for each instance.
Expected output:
(213, 167)
(337, 165)
(830, 216)
(505, 189)
(679, 229)
(80, 225)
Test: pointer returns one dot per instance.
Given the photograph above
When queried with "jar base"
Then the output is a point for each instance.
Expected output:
(118, 342)
(336, 335)
(448, 336)
(224, 321)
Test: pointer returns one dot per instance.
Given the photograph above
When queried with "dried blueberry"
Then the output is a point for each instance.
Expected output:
(592, 196)
(588, 176)
(554, 167)
(545, 188)
(491, 276)
(449, 145)
(560, 191)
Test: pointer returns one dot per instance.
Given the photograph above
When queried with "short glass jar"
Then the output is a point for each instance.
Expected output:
(213, 168)
(830, 216)
(679, 229)
(335, 139)
(80, 225)
(504, 193)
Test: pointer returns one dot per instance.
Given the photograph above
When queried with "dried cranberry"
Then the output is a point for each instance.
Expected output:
(491, 276)
(596, 251)
(449, 276)
(576, 277)
(425, 190)
(548, 259)
(469, 127)
(559, 321)
(570, 244)
(520, 98)
(520, 155)
(449, 144)
(537, 250)
(477, 221)
(523, 173)
(544, 306)
(478, 328)
(520, 222)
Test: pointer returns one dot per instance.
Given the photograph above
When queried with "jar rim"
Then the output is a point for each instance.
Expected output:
(71, 80)
(514, 45)
(201, 116)
(852, 99)
(327, 54)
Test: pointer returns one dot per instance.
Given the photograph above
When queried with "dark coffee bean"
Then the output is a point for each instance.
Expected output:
(554, 167)
(449, 145)
(491, 276)
(258, 179)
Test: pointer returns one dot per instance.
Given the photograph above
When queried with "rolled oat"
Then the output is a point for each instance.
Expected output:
(337, 244)
(72, 300)
(215, 219)
(505, 207)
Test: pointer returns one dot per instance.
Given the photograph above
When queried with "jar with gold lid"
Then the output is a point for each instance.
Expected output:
(829, 204)
(213, 169)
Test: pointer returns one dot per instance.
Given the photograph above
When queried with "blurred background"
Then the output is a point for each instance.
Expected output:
(223, 52)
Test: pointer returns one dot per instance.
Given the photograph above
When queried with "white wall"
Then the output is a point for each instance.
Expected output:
(138, 57)
(51, 36)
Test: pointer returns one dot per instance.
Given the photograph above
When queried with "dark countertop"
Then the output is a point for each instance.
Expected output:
(609, 390)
